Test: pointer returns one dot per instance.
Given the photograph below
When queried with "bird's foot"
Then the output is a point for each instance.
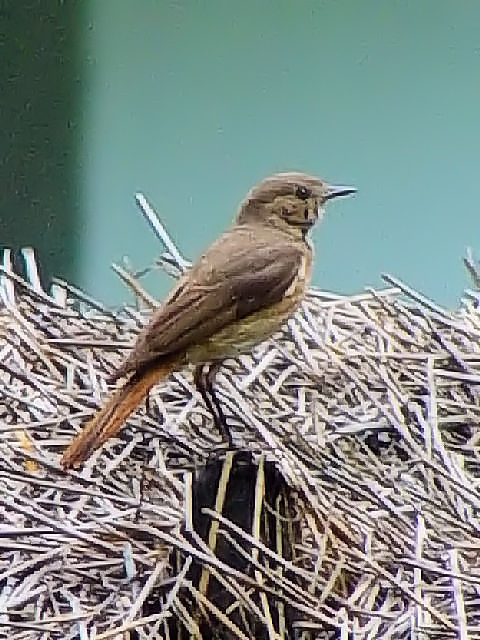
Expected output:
(204, 376)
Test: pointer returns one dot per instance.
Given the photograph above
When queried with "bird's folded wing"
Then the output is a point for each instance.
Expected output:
(239, 275)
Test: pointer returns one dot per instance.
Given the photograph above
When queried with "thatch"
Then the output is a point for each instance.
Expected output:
(368, 408)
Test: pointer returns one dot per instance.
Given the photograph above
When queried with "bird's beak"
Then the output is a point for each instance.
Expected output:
(334, 191)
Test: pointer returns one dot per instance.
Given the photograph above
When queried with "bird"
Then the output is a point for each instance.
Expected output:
(238, 293)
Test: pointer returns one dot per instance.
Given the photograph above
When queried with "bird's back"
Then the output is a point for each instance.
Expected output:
(236, 294)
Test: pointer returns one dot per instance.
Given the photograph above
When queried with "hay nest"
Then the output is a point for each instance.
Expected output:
(366, 408)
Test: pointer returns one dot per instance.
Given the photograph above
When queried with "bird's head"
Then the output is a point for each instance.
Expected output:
(290, 201)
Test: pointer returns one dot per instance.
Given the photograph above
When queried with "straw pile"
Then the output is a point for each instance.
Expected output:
(366, 407)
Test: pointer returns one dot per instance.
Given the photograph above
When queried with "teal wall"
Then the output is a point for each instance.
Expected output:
(194, 101)
(41, 86)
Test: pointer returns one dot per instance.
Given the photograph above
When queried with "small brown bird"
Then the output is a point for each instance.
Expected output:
(240, 291)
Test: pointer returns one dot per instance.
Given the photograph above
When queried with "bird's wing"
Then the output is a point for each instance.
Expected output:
(244, 271)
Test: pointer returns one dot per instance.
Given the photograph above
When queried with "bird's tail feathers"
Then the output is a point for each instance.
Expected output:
(108, 420)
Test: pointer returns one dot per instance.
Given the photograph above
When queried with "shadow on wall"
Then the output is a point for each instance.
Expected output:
(40, 76)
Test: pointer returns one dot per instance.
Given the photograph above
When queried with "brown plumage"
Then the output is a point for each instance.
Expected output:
(237, 294)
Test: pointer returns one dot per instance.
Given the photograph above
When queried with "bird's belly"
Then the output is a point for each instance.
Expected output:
(242, 335)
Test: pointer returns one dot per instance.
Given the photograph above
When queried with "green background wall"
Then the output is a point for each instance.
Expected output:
(194, 101)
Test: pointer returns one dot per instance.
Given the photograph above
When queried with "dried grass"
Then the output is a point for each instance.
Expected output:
(367, 405)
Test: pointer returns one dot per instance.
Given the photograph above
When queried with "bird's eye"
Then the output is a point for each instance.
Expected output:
(302, 192)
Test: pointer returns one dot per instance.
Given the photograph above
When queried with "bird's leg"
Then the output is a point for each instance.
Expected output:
(204, 377)
(148, 403)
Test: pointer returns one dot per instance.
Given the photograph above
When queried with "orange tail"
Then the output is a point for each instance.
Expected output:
(108, 421)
